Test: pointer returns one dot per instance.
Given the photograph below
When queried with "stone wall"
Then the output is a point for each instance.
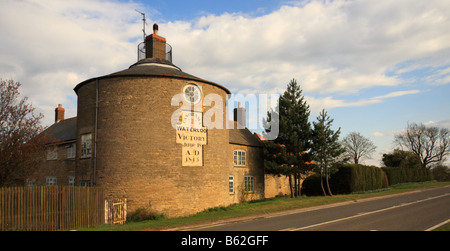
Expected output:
(61, 168)
(276, 186)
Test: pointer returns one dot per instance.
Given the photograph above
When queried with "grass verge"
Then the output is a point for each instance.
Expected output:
(259, 208)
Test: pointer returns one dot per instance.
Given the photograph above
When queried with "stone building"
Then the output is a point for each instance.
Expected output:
(141, 134)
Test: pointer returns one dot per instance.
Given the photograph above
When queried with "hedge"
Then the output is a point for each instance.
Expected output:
(349, 178)
(355, 178)
(397, 175)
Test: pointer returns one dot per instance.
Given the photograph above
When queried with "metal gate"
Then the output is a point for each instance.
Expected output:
(115, 211)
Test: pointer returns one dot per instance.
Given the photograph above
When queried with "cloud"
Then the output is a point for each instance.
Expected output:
(50, 46)
(329, 102)
(441, 124)
(377, 134)
(333, 48)
(317, 104)
(397, 94)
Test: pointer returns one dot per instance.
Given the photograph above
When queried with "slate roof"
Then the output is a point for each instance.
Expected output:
(66, 130)
(63, 131)
(153, 67)
(244, 137)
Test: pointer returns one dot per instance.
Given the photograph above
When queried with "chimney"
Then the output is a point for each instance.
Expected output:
(239, 116)
(155, 46)
(59, 113)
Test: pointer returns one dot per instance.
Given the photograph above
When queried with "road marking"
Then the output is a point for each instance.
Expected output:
(438, 225)
(363, 214)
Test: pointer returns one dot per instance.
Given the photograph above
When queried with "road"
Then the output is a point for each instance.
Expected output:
(415, 211)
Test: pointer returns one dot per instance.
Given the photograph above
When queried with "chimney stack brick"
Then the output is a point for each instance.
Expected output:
(239, 116)
(59, 113)
(155, 45)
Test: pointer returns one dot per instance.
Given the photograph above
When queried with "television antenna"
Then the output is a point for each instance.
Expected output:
(144, 23)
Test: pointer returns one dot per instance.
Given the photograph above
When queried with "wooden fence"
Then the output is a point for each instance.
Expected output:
(51, 208)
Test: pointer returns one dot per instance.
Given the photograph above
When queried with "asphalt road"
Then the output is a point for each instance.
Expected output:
(415, 211)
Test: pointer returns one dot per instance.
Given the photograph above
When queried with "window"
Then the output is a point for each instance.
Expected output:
(52, 153)
(85, 183)
(71, 150)
(231, 184)
(249, 184)
(86, 145)
(50, 181)
(30, 182)
(239, 158)
(71, 181)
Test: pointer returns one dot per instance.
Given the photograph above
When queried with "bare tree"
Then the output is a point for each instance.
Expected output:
(20, 139)
(357, 147)
(431, 144)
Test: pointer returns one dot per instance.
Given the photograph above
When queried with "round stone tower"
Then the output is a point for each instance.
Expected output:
(138, 141)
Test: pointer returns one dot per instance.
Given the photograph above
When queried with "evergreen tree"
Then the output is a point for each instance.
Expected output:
(326, 148)
(288, 154)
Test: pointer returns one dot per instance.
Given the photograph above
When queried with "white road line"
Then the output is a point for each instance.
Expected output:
(438, 225)
(363, 214)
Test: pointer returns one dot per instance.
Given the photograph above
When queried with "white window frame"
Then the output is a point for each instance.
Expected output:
(85, 183)
(86, 145)
(249, 184)
(71, 181)
(50, 181)
(52, 153)
(231, 184)
(71, 150)
(239, 158)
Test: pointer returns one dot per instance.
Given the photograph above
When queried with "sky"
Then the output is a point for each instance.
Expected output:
(373, 65)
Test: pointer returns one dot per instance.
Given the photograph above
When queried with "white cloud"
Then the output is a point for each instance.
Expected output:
(317, 104)
(330, 47)
(397, 94)
(377, 134)
(51, 46)
(441, 124)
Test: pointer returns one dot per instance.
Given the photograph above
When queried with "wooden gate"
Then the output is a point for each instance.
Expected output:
(115, 211)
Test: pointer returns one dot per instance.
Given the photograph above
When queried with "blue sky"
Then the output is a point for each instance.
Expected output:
(374, 65)
(188, 10)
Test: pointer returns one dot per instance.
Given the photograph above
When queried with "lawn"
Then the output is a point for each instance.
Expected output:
(260, 207)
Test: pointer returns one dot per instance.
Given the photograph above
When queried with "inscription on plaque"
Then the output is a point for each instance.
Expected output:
(192, 136)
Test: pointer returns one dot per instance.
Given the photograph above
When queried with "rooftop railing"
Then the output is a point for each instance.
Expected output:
(141, 52)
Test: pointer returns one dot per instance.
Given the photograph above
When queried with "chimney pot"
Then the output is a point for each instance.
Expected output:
(155, 29)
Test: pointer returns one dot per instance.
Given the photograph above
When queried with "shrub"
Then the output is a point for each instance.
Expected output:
(348, 179)
(441, 173)
(142, 214)
(355, 178)
(311, 186)
(397, 175)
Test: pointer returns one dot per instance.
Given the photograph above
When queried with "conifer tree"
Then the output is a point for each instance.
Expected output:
(288, 154)
(326, 147)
